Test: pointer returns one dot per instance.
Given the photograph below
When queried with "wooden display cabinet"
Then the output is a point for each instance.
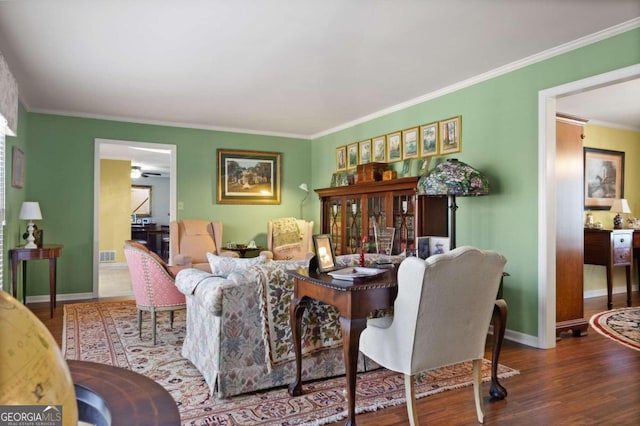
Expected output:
(349, 212)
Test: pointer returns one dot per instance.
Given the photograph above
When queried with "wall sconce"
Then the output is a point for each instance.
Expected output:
(30, 211)
(305, 188)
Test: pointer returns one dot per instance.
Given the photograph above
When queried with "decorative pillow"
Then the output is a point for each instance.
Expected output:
(224, 265)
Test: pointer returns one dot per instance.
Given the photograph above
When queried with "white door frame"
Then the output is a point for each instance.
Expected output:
(547, 192)
(96, 191)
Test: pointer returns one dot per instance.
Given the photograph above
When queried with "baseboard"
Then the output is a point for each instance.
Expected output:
(60, 297)
(515, 336)
(603, 291)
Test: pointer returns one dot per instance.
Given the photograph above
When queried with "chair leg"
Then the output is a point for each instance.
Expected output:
(171, 318)
(477, 389)
(140, 323)
(153, 325)
(410, 395)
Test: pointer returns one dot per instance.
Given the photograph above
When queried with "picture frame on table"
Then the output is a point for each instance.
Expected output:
(248, 177)
(603, 177)
(429, 140)
(423, 247)
(325, 253)
(394, 147)
(365, 151)
(406, 168)
(439, 245)
(341, 158)
(410, 143)
(352, 156)
(450, 134)
(379, 149)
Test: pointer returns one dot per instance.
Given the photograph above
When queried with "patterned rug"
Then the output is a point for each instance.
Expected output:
(107, 333)
(621, 325)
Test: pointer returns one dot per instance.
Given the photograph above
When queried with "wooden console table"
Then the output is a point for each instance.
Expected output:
(21, 254)
(121, 396)
(354, 301)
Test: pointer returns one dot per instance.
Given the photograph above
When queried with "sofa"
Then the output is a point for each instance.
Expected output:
(238, 334)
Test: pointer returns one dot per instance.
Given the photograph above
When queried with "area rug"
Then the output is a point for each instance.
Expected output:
(107, 333)
(621, 325)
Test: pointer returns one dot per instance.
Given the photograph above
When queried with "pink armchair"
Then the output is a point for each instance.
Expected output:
(191, 240)
(153, 284)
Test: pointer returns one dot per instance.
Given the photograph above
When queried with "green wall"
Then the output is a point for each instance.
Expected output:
(499, 133)
(500, 138)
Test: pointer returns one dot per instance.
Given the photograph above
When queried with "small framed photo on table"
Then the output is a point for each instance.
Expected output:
(324, 252)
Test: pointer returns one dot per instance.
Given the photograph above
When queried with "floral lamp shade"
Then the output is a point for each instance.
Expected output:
(453, 177)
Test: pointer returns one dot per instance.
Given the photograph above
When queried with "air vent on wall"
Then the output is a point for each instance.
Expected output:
(107, 256)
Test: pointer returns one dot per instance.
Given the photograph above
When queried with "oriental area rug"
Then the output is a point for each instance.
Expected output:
(107, 333)
(620, 325)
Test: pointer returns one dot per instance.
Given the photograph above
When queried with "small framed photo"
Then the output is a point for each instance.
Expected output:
(334, 179)
(394, 147)
(324, 252)
(423, 247)
(410, 143)
(379, 149)
(423, 166)
(341, 158)
(365, 151)
(406, 168)
(352, 156)
(450, 135)
(429, 140)
(438, 245)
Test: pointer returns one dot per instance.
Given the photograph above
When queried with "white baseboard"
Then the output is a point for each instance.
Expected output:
(60, 297)
(603, 291)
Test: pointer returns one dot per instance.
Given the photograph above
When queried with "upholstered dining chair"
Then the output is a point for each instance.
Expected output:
(289, 239)
(153, 284)
(441, 317)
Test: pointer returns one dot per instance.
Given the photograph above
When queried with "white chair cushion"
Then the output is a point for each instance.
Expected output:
(225, 265)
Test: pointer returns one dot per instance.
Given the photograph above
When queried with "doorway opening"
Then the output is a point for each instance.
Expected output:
(158, 161)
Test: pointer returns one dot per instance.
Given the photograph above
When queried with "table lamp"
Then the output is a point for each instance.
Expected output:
(453, 178)
(619, 205)
(30, 211)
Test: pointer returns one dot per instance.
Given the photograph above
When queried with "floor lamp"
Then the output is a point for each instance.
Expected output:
(305, 188)
(452, 179)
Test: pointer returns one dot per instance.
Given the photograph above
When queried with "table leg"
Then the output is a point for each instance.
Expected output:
(14, 276)
(628, 272)
(609, 286)
(351, 330)
(499, 319)
(296, 310)
(24, 282)
(52, 285)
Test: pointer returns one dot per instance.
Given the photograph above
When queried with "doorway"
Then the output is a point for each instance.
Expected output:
(158, 163)
(547, 208)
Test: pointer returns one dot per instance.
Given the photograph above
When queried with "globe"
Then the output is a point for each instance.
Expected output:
(33, 371)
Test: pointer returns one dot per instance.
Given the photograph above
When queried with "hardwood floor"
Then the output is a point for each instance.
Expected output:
(587, 380)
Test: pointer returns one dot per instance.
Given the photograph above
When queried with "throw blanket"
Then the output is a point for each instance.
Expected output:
(320, 326)
(285, 233)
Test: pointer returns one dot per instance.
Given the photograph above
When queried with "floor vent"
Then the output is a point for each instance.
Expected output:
(107, 256)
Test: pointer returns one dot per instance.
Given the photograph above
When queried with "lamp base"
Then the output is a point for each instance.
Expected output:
(30, 239)
(617, 222)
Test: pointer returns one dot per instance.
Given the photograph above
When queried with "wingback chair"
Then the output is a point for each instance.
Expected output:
(153, 284)
(192, 239)
(290, 239)
(441, 317)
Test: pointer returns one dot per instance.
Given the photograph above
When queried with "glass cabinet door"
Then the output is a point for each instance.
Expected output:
(354, 225)
(335, 224)
(404, 222)
(376, 213)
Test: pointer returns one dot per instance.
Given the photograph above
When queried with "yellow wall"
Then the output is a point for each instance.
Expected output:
(115, 206)
(629, 142)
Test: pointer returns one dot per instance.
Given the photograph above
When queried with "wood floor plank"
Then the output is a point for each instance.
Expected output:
(587, 380)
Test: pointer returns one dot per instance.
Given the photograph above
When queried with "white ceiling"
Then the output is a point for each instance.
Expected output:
(291, 67)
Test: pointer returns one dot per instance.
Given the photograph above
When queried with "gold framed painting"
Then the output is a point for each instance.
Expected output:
(248, 177)
(17, 174)
(341, 158)
(410, 143)
(603, 177)
(365, 151)
(451, 135)
(429, 140)
(379, 149)
(394, 147)
(352, 156)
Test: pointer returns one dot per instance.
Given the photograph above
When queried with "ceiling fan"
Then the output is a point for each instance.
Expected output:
(136, 172)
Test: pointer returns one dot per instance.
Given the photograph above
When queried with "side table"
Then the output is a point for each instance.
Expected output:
(243, 250)
(21, 254)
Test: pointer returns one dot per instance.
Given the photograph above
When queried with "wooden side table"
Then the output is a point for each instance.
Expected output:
(21, 254)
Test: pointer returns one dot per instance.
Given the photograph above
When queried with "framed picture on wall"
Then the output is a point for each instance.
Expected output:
(450, 135)
(394, 147)
(429, 140)
(603, 178)
(17, 172)
(248, 177)
(410, 143)
(379, 149)
(352, 156)
(365, 151)
(341, 158)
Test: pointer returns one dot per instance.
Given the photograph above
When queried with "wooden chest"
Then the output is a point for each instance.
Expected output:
(389, 175)
(370, 172)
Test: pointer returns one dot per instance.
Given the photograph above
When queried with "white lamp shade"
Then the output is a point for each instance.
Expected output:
(30, 210)
(304, 187)
(620, 205)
